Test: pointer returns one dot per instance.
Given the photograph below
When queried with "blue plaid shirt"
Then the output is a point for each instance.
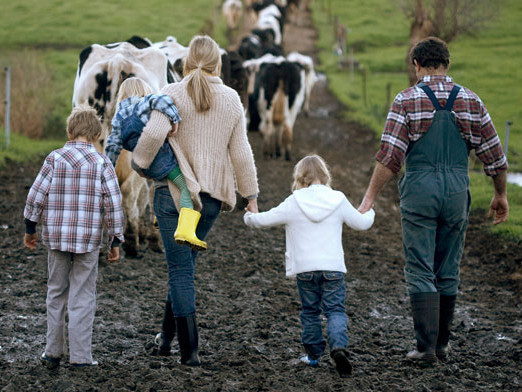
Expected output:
(144, 107)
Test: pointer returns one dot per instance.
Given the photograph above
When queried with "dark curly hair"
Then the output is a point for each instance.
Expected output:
(431, 53)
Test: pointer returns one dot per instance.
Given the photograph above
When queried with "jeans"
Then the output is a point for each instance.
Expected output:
(322, 290)
(181, 259)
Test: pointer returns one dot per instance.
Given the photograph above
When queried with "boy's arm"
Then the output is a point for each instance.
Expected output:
(355, 219)
(164, 104)
(37, 196)
(114, 218)
(274, 217)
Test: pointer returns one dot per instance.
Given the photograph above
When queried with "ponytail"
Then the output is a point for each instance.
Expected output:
(203, 59)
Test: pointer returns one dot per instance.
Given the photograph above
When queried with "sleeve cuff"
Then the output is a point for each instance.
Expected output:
(30, 226)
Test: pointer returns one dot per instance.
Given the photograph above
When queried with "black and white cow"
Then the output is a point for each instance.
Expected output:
(279, 95)
(310, 75)
(101, 70)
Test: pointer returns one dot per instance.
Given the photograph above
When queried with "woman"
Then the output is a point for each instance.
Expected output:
(214, 154)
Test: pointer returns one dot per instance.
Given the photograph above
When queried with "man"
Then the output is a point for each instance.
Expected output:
(431, 127)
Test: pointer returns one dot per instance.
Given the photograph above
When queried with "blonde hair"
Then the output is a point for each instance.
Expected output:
(309, 169)
(84, 122)
(203, 58)
(133, 87)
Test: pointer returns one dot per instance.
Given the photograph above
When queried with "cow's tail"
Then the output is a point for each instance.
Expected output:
(279, 105)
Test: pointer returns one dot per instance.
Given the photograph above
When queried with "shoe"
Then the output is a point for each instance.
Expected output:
(425, 311)
(84, 365)
(342, 364)
(309, 361)
(49, 362)
(162, 347)
(155, 224)
(418, 356)
(186, 231)
(443, 352)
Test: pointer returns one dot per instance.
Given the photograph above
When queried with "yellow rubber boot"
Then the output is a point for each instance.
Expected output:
(186, 231)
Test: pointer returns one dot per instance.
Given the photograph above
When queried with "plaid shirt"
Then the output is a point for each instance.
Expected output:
(74, 194)
(144, 107)
(411, 115)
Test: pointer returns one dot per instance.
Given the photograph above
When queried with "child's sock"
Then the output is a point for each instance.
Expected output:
(177, 177)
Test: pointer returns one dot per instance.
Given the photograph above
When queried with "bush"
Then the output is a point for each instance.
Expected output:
(30, 92)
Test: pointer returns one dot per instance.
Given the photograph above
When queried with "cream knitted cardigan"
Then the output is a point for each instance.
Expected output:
(212, 147)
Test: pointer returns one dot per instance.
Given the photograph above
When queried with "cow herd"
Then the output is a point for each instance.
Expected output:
(273, 88)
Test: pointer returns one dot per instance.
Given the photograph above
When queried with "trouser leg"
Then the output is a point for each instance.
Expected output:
(59, 265)
(82, 305)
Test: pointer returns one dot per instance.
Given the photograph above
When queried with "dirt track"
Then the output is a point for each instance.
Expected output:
(248, 312)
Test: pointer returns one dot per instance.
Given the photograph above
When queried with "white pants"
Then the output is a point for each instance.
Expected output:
(72, 284)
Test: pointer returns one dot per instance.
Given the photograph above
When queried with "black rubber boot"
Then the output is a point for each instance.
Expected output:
(447, 309)
(342, 363)
(164, 339)
(188, 340)
(425, 310)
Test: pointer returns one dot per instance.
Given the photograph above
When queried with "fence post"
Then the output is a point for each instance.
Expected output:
(363, 73)
(506, 140)
(7, 105)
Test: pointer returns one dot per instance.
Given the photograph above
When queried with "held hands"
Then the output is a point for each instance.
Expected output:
(30, 241)
(113, 255)
(499, 209)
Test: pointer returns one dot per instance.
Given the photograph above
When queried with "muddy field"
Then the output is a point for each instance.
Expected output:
(248, 312)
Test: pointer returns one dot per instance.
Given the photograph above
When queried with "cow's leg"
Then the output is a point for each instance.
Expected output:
(287, 140)
(131, 244)
(147, 231)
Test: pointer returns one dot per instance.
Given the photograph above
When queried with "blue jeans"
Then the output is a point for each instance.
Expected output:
(322, 290)
(181, 259)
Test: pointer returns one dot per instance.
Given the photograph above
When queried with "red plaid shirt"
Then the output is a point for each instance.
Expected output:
(411, 115)
(74, 194)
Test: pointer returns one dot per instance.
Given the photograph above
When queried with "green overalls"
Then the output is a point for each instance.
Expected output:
(435, 201)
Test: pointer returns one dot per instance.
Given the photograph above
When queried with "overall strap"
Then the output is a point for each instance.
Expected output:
(431, 95)
(452, 96)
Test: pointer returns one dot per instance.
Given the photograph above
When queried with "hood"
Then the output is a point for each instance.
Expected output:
(318, 201)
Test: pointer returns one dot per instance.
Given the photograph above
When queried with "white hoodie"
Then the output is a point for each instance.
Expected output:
(313, 218)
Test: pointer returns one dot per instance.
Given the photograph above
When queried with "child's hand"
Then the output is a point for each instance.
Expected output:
(30, 240)
(174, 130)
(113, 255)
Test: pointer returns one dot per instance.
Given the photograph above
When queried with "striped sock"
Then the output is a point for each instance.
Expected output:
(177, 177)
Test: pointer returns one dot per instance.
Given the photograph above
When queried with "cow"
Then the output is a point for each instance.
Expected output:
(101, 70)
(279, 95)
(232, 10)
(271, 18)
(310, 75)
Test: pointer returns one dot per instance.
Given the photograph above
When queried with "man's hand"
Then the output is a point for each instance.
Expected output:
(113, 255)
(252, 206)
(499, 209)
(30, 241)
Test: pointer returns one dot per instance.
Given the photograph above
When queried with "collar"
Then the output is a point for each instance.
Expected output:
(436, 79)
(79, 144)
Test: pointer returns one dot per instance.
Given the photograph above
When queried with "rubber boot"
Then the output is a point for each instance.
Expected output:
(425, 310)
(188, 340)
(447, 309)
(342, 363)
(163, 340)
(186, 230)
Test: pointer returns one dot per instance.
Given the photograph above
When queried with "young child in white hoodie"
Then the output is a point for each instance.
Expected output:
(313, 217)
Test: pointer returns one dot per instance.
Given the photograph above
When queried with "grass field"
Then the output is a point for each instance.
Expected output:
(56, 32)
(488, 63)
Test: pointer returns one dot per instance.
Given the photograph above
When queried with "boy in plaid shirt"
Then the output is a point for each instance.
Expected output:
(74, 195)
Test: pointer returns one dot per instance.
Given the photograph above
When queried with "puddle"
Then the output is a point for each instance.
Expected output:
(515, 178)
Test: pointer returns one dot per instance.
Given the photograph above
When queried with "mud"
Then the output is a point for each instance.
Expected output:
(248, 312)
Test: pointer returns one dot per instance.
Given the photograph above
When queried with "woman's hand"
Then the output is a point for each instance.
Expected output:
(252, 206)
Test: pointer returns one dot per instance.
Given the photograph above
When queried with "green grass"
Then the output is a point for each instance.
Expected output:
(488, 63)
(22, 149)
(57, 31)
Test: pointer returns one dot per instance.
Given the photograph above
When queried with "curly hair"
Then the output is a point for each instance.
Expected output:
(431, 53)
